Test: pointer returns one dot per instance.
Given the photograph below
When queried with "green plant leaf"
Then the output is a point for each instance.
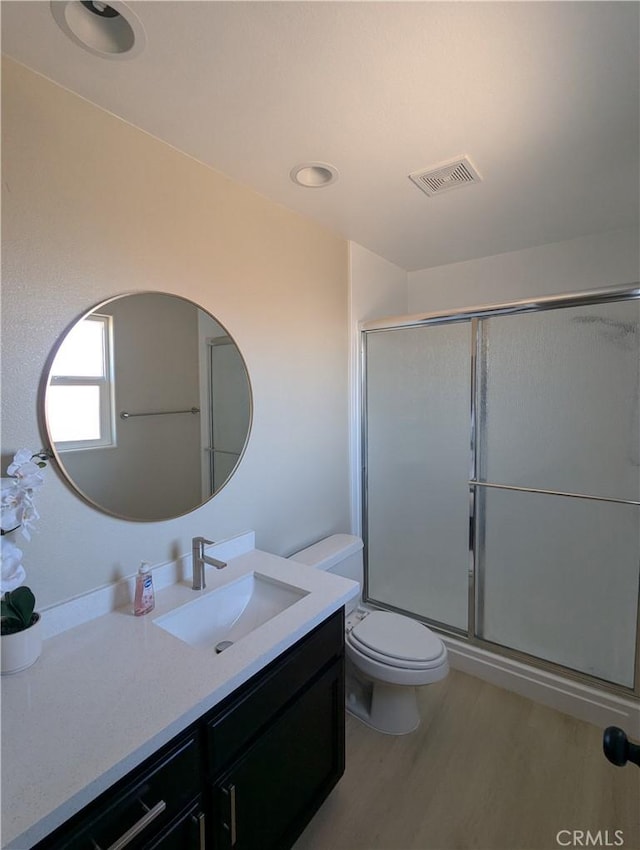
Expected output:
(18, 605)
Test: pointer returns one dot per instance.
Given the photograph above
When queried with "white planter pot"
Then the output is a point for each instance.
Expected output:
(21, 649)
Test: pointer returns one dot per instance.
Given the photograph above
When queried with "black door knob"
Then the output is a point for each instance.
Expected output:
(618, 748)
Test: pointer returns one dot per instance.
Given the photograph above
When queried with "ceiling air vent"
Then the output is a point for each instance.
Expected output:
(448, 175)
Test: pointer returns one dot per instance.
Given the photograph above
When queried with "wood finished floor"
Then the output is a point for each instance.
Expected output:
(486, 770)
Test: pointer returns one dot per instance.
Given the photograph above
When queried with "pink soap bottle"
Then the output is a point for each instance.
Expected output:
(144, 598)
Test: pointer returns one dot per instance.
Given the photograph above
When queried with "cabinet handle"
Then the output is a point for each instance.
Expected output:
(198, 820)
(231, 793)
(136, 829)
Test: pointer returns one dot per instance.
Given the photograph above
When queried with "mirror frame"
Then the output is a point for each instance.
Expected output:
(50, 446)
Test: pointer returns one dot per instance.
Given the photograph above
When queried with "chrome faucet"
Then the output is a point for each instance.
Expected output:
(199, 559)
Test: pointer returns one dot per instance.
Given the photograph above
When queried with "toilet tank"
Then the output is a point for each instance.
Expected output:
(340, 554)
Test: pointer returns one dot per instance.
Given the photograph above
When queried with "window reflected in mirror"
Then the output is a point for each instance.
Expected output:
(80, 397)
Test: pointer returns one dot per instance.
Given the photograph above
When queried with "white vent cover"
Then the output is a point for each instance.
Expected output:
(448, 175)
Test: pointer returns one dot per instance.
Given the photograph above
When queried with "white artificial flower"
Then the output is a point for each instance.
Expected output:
(20, 457)
(11, 504)
(29, 476)
(12, 571)
(18, 511)
(17, 505)
(29, 517)
(27, 473)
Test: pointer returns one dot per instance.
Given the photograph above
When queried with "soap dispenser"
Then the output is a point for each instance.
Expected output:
(144, 598)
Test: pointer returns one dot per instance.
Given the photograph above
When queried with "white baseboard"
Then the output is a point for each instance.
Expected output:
(571, 697)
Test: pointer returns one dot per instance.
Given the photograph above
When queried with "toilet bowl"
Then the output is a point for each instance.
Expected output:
(388, 655)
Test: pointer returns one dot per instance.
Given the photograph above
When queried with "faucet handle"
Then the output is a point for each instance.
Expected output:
(202, 541)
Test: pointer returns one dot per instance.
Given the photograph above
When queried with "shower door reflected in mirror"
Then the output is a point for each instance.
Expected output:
(229, 410)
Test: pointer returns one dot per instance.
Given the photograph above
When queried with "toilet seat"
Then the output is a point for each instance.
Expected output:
(397, 641)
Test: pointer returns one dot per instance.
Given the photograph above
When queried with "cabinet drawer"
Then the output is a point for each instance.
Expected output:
(153, 796)
(188, 833)
(243, 718)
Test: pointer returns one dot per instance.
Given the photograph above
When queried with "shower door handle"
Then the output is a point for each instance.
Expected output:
(618, 748)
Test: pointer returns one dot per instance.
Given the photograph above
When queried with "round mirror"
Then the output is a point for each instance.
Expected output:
(147, 406)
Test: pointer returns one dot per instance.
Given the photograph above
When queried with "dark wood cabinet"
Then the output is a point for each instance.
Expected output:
(266, 798)
(188, 833)
(143, 809)
(249, 775)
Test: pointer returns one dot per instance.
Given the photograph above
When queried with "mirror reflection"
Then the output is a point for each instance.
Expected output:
(147, 406)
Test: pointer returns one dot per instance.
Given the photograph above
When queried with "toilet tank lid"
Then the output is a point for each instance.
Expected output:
(326, 553)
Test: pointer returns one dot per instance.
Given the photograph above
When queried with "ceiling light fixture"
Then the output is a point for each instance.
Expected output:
(100, 8)
(109, 30)
(314, 175)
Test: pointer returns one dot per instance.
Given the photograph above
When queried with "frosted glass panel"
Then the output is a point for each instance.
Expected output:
(418, 410)
(560, 406)
(558, 578)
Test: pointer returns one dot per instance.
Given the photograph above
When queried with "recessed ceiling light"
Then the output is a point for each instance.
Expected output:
(109, 30)
(314, 175)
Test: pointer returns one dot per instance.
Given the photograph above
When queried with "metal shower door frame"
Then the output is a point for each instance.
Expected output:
(475, 316)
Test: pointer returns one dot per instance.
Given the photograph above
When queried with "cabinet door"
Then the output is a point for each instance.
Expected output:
(268, 796)
(234, 725)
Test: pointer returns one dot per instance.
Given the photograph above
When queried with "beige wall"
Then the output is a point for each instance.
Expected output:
(92, 207)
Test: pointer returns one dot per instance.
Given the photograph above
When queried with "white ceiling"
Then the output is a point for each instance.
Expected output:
(542, 96)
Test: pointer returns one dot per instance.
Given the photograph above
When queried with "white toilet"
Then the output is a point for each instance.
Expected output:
(388, 655)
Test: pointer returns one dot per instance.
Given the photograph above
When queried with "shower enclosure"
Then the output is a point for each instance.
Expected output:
(501, 478)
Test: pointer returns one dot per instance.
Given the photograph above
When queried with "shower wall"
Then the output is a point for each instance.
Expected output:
(502, 480)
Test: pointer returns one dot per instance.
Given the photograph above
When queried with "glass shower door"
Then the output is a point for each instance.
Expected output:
(559, 486)
(417, 456)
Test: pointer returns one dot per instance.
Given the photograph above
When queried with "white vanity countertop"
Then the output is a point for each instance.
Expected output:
(107, 694)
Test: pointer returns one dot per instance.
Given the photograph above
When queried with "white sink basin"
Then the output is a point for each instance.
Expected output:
(225, 615)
